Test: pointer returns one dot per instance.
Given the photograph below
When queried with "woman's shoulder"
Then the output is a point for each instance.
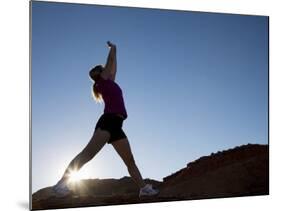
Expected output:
(105, 80)
(101, 80)
(104, 83)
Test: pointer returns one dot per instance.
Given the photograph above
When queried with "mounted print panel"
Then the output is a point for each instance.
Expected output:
(137, 105)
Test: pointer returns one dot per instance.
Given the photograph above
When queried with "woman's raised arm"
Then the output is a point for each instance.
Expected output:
(111, 63)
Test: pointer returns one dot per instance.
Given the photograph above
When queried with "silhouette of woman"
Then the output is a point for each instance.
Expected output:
(108, 128)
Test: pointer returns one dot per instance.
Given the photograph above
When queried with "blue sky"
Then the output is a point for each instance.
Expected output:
(193, 83)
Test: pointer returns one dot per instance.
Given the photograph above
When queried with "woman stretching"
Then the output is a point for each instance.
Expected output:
(108, 128)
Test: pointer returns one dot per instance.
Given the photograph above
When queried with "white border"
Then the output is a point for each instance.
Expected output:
(14, 86)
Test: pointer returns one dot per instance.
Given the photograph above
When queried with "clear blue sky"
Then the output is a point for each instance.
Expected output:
(193, 83)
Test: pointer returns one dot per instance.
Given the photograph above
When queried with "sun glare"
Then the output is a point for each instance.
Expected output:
(76, 176)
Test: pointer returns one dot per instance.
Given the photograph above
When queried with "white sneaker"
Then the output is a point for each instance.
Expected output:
(61, 189)
(147, 190)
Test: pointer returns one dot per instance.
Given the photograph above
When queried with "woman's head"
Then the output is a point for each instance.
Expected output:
(95, 72)
(95, 75)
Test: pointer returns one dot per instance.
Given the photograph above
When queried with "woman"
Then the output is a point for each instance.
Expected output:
(108, 128)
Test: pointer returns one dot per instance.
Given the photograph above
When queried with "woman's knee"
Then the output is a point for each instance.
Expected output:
(80, 159)
(95, 144)
(86, 155)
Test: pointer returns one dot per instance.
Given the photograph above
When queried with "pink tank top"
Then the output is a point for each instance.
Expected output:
(112, 97)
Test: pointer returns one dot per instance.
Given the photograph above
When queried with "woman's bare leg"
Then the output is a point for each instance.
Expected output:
(96, 143)
(122, 147)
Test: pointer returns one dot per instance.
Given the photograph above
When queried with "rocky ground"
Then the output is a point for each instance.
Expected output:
(241, 171)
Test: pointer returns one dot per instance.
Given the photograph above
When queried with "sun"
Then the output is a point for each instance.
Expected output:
(74, 177)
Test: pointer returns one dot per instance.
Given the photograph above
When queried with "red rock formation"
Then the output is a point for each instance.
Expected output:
(235, 172)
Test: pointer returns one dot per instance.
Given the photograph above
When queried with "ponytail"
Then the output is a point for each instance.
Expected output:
(97, 95)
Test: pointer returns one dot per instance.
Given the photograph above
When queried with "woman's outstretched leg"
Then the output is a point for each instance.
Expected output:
(96, 143)
(122, 147)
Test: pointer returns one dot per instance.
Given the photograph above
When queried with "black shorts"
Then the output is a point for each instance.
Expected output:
(113, 124)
